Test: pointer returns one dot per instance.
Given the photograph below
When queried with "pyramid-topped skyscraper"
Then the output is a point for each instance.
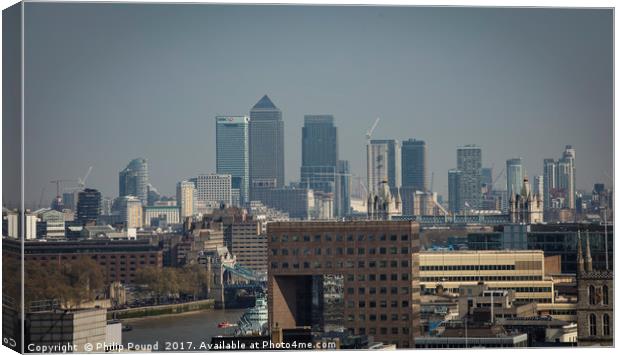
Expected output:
(266, 145)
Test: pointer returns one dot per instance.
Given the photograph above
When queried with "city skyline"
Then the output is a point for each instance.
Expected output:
(458, 83)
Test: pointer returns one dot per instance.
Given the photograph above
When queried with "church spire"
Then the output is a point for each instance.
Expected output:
(580, 268)
(588, 263)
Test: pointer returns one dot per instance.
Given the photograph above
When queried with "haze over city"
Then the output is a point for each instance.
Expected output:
(106, 83)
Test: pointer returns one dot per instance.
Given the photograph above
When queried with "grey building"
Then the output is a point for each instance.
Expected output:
(469, 162)
(134, 180)
(342, 203)
(393, 161)
(319, 146)
(233, 152)
(454, 188)
(413, 165)
(266, 143)
(297, 202)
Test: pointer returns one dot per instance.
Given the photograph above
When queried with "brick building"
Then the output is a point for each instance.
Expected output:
(356, 275)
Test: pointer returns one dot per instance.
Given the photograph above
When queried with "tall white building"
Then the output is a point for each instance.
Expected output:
(214, 189)
(131, 211)
(186, 198)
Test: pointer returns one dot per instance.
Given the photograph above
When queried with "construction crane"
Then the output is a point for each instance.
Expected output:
(372, 128)
(81, 181)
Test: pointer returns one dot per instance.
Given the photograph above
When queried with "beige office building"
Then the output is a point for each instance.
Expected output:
(520, 270)
(250, 246)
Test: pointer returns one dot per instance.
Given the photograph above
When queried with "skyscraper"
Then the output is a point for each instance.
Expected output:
(454, 190)
(233, 151)
(266, 142)
(550, 177)
(514, 176)
(566, 176)
(319, 145)
(88, 206)
(319, 153)
(386, 154)
(413, 165)
(469, 162)
(186, 198)
(134, 180)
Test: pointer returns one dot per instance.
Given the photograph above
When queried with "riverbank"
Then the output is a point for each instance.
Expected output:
(162, 310)
(196, 327)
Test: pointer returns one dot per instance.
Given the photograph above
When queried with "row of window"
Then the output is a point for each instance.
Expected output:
(448, 278)
(349, 264)
(382, 304)
(338, 238)
(340, 251)
(593, 325)
(373, 317)
(598, 295)
(382, 331)
(465, 267)
(382, 291)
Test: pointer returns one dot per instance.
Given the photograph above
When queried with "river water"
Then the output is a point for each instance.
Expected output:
(175, 332)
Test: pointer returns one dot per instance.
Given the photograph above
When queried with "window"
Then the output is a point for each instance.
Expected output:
(592, 295)
(605, 294)
(606, 329)
(592, 322)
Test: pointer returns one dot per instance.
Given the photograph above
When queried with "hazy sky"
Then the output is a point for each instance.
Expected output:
(106, 83)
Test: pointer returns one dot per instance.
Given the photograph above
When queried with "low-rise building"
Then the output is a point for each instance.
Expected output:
(519, 270)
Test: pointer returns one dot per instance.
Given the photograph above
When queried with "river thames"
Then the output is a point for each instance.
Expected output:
(172, 332)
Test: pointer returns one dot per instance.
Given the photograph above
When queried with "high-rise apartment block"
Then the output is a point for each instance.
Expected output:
(186, 198)
(233, 152)
(266, 143)
(413, 165)
(357, 275)
(134, 180)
